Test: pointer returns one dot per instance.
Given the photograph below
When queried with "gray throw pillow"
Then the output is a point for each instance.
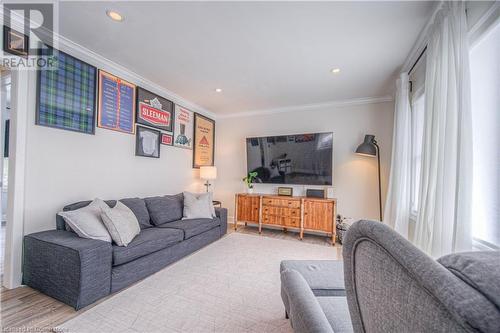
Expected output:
(121, 223)
(198, 206)
(86, 221)
(165, 209)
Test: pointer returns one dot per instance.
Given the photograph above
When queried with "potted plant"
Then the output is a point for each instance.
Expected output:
(249, 181)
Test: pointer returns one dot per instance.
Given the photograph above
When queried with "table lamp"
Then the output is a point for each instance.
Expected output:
(208, 173)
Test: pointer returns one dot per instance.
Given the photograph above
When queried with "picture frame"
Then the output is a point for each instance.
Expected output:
(15, 42)
(154, 110)
(204, 141)
(116, 103)
(147, 142)
(183, 127)
(167, 139)
(62, 101)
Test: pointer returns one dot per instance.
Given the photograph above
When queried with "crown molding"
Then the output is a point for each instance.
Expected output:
(81, 52)
(304, 107)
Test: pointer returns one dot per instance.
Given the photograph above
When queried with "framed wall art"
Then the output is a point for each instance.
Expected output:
(183, 127)
(204, 141)
(167, 139)
(15, 42)
(66, 95)
(116, 110)
(147, 142)
(154, 111)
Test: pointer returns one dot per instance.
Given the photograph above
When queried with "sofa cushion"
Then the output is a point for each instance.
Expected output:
(337, 313)
(324, 277)
(138, 207)
(165, 209)
(192, 227)
(148, 241)
(480, 270)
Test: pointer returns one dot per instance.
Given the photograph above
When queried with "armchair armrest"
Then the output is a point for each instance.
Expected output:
(221, 213)
(305, 313)
(74, 270)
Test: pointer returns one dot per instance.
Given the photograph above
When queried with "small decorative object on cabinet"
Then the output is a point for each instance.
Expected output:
(299, 213)
(285, 191)
(249, 181)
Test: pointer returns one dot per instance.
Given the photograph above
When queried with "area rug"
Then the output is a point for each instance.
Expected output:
(232, 285)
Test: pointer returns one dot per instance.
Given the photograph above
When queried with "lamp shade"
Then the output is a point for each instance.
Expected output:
(208, 172)
(368, 146)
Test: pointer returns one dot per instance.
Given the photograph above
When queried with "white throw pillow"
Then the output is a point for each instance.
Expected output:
(198, 206)
(121, 223)
(86, 221)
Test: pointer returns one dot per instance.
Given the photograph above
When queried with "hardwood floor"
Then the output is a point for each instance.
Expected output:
(26, 310)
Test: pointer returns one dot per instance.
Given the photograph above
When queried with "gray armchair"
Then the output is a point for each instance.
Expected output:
(392, 286)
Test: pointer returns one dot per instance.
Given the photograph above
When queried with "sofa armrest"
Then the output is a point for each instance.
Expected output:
(221, 213)
(305, 313)
(74, 270)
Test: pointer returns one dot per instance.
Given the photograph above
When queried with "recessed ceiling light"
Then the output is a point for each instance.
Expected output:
(115, 16)
(218, 90)
(335, 70)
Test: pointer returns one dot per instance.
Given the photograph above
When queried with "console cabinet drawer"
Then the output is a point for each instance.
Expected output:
(287, 212)
(290, 203)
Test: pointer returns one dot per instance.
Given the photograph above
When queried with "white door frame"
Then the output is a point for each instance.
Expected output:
(20, 97)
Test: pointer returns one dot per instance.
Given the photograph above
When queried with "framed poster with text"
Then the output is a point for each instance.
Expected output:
(204, 141)
(183, 127)
(154, 111)
(116, 110)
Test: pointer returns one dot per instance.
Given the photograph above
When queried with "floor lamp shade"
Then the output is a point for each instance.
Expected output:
(368, 146)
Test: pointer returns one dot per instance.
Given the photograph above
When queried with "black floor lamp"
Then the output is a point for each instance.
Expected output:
(370, 148)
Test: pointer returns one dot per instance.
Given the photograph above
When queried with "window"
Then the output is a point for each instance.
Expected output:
(417, 131)
(485, 102)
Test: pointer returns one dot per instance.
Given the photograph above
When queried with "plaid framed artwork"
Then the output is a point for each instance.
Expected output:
(66, 95)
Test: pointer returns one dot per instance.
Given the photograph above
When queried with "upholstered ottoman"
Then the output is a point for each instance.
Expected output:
(324, 277)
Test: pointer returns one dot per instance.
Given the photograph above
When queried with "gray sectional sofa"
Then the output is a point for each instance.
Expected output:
(391, 286)
(80, 271)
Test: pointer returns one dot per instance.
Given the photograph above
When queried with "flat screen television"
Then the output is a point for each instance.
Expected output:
(302, 159)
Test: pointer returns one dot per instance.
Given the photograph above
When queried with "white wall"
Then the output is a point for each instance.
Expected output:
(64, 166)
(355, 177)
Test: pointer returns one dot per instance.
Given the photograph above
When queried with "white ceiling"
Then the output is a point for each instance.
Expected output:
(263, 55)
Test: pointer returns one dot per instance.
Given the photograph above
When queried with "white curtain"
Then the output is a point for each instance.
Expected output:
(397, 205)
(443, 224)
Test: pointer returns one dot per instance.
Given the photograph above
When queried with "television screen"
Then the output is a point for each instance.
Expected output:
(303, 159)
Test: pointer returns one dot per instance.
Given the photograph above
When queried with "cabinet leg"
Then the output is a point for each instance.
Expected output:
(245, 224)
(235, 225)
(333, 239)
(260, 229)
(285, 230)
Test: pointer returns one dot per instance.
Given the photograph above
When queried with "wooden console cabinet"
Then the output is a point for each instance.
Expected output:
(300, 213)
